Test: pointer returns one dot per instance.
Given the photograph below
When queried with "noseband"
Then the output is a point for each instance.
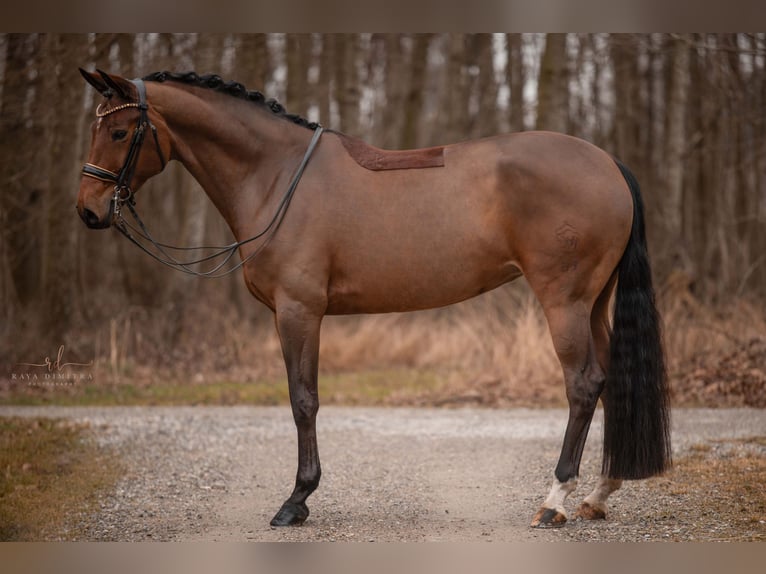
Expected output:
(123, 192)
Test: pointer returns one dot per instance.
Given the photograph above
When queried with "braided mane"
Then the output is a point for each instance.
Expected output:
(235, 89)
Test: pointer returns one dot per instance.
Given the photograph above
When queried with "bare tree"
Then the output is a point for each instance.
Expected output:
(414, 101)
(62, 133)
(347, 92)
(516, 78)
(323, 89)
(484, 114)
(252, 60)
(675, 148)
(454, 119)
(552, 87)
(16, 199)
(298, 59)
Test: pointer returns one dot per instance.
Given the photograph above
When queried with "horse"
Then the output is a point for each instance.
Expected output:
(326, 224)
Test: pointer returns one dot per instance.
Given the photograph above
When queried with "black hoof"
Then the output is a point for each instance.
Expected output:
(291, 514)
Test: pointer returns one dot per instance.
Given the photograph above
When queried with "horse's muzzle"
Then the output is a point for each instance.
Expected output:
(93, 221)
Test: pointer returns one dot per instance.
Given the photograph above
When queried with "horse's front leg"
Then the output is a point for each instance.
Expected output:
(298, 330)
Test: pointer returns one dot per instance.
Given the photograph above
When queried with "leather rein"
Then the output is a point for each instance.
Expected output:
(123, 197)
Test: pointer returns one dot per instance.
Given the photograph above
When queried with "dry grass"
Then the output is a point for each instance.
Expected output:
(49, 473)
(496, 349)
(694, 329)
(716, 354)
(499, 340)
(491, 350)
(722, 484)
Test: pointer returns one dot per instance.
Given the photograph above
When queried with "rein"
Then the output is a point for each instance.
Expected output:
(123, 196)
(227, 252)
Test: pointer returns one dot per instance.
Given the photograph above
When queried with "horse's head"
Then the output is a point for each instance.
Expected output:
(130, 143)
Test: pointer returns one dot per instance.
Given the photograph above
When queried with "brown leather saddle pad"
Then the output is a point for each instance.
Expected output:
(376, 159)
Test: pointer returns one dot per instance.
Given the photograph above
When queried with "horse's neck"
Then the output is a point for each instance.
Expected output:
(237, 152)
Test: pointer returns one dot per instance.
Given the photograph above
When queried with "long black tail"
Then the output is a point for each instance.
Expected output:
(636, 405)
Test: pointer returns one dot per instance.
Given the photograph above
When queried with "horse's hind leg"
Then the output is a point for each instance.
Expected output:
(593, 507)
(570, 327)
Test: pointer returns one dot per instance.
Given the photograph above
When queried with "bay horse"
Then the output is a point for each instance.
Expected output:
(357, 229)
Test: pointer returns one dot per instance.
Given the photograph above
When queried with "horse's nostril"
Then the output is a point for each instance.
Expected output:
(90, 218)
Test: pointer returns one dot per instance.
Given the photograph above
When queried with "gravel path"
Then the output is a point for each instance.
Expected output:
(220, 473)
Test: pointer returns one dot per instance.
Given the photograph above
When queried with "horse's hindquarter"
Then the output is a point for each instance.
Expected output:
(403, 240)
(571, 214)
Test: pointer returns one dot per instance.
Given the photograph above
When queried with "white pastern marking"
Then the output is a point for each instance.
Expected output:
(558, 494)
(605, 487)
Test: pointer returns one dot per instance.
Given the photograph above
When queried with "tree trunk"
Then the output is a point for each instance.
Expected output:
(674, 156)
(298, 58)
(454, 118)
(63, 53)
(347, 92)
(413, 106)
(485, 118)
(388, 133)
(18, 279)
(126, 44)
(323, 91)
(252, 61)
(553, 85)
(516, 78)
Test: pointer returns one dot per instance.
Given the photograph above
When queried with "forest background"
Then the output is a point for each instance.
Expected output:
(687, 113)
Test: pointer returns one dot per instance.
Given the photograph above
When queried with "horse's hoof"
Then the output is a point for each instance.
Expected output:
(587, 511)
(291, 514)
(548, 518)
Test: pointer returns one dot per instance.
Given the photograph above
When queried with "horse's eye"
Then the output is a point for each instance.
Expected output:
(118, 135)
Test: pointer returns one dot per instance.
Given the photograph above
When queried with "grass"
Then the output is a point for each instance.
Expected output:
(728, 486)
(49, 472)
(492, 350)
(371, 388)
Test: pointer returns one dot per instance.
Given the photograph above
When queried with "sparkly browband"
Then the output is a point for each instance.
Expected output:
(101, 114)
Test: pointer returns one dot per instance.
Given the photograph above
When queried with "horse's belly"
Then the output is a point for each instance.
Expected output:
(413, 285)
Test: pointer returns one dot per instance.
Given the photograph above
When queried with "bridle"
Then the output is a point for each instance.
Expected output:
(123, 193)
(123, 196)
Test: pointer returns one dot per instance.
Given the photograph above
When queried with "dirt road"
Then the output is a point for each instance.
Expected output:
(219, 473)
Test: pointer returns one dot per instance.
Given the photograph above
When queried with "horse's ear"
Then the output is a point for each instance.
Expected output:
(95, 81)
(120, 86)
